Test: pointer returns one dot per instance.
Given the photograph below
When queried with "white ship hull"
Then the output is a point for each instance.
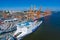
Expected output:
(23, 31)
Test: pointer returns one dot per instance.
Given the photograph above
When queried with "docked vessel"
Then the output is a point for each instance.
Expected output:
(26, 28)
(20, 29)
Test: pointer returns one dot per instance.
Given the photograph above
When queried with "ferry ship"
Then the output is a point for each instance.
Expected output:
(26, 28)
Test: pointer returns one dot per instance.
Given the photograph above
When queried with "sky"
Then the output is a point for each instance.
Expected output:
(25, 4)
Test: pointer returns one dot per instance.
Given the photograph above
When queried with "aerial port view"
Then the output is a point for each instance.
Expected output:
(29, 20)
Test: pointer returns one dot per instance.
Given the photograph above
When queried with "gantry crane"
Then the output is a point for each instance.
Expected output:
(38, 13)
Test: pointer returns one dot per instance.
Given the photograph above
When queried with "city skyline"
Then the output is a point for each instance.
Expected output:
(25, 4)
